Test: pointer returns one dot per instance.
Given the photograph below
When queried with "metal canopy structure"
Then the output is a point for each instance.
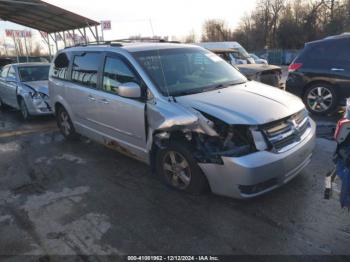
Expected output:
(42, 16)
(51, 21)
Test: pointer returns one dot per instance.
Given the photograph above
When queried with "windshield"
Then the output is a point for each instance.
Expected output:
(184, 71)
(34, 73)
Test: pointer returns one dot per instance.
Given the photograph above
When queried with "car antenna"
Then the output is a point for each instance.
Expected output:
(161, 65)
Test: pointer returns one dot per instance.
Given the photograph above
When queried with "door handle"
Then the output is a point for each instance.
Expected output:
(337, 69)
(105, 101)
(91, 98)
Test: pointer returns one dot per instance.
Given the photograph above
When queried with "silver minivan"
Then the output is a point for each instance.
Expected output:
(186, 112)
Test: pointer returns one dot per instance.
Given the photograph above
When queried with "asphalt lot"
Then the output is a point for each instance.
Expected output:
(66, 198)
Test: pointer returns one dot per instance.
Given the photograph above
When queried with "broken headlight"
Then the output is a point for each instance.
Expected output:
(38, 96)
(259, 140)
(39, 99)
(233, 141)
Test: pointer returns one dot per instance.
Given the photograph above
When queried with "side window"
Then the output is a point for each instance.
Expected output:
(60, 67)
(344, 51)
(117, 72)
(12, 73)
(323, 51)
(85, 69)
(4, 72)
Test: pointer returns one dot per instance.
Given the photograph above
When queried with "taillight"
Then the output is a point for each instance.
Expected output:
(294, 67)
(340, 125)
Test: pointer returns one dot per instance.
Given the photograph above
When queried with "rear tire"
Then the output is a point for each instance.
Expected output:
(178, 169)
(65, 124)
(320, 99)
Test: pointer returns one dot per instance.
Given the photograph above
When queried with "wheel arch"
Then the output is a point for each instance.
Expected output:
(57, 106)
(19, 99)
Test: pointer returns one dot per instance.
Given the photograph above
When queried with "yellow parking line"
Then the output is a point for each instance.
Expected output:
(27, 131)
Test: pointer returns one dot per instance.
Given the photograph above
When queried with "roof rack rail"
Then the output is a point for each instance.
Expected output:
(145, 39)
(120, 42)
(111, 43)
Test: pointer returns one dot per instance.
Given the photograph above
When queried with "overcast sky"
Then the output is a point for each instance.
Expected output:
(169, 17)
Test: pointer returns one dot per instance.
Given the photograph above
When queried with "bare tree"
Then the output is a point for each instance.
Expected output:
(216, 30)
(191, 37)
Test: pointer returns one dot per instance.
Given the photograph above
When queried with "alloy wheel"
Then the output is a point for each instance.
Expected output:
(177, 170)
(320, 99)
(64, 123)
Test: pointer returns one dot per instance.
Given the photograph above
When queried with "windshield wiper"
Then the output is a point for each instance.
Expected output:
(205, 89)
(188, 92)
(221, 86)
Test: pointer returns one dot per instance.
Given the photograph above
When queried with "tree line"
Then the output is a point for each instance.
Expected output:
(282, 24)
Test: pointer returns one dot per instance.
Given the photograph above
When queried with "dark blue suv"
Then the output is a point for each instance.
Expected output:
(320, 74)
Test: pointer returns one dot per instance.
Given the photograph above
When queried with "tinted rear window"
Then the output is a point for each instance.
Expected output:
(331, 50)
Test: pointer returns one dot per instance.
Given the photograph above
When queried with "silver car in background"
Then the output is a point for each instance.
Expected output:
(186, 112)
(25, 87)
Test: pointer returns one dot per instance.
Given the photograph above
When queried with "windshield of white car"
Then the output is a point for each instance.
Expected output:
(34, 73)
(183, 71)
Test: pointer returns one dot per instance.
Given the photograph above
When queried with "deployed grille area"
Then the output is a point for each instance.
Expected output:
(285, 134)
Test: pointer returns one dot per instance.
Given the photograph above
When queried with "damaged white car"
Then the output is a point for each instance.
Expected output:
(194, 118)
(25, 87)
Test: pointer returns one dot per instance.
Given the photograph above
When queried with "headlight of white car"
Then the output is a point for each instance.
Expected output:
(259, 140)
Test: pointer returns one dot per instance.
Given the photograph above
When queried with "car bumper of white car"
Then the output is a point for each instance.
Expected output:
(256, 174)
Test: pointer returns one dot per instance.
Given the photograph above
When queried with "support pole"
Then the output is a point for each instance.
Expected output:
(97, 36)
(102, 33)
(49, 44)
(53, 39)
(93, 34)
(14, 41)
(62, 37)
(70, 35)
(85, 36)
(25, 45)
(74, 37)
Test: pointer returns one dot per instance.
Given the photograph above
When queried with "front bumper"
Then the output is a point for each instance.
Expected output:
(36, 109)
(261, 172)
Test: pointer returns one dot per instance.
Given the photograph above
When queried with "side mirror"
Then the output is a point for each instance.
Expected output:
(129, 90)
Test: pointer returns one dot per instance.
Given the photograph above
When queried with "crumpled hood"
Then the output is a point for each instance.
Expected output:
(251, 103)
(252, 69)
(39, 86)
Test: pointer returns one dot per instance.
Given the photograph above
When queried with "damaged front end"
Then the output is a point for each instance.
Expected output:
(266, 74)
(207, 137)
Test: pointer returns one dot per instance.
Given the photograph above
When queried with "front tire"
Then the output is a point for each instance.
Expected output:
(24, 109)
(65, 124)
(178, 169)
(320, 99)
